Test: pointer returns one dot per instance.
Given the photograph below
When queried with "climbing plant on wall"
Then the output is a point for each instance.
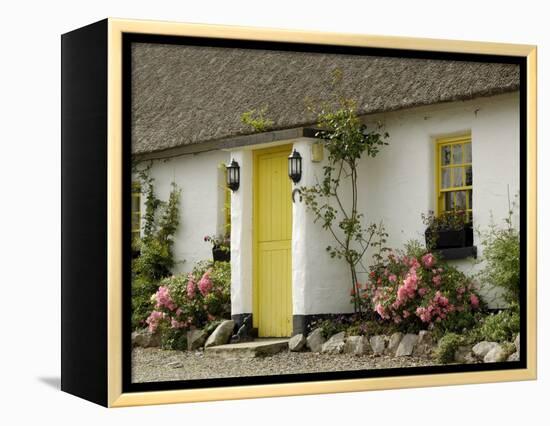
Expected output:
(155, 247)
(346, 139)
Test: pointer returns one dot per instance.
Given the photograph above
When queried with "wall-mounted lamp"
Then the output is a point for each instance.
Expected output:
(295, 166)
(233, 175)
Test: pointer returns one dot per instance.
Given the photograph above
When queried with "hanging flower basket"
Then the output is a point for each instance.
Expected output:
(221, 249)
(221, 253)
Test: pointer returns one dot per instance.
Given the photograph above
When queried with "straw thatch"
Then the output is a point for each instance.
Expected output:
(189, 94)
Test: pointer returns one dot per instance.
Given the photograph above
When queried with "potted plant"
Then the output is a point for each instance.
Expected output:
(451, 229)
(221, 248)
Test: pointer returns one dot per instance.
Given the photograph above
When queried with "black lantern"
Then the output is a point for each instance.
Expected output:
(233, 175)
(295, 166)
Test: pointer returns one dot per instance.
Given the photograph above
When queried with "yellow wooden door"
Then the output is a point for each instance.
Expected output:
(272, 243)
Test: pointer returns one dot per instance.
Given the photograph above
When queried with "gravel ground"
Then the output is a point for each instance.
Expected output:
(153, 364)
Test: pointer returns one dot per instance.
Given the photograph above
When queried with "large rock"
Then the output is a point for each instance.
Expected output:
(335, 345)
(463, 355)
(407, 345)
(514, 357)
(497, 354)
(196, 339)
(378, 344)
(393, 344)
(221, 334)
(425, 344)
(482, 348)
(315, 340)
(357, 345)
(516, 343)
(297, 343)
(145, 339)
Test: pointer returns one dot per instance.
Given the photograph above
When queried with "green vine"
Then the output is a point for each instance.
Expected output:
(156, 258)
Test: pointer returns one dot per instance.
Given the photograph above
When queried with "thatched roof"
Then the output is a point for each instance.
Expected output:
(186, 95)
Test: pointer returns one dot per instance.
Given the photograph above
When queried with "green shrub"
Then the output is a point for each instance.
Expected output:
(501, 327)
(415, 290)
(257, 119)
(447, 347)
(173, 338)
(186, 301)
(142, 290)
(501, 257)
(330, 327)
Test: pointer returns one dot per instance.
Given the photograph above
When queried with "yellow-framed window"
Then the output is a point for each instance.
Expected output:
(454, 178)
(136, 210)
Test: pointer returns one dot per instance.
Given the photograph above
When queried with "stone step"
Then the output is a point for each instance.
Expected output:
(256, 348)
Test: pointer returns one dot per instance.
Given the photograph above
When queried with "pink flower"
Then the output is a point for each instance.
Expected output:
(381, 311)
(154, 319)
(177, 324)
(474, 301)
(428, 260)
(392, 278)
(422, 292)
(191, 287)
(436, 279)
(205, 283)
(163, 299)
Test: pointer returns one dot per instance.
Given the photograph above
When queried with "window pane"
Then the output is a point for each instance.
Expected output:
(135, 221)
(135, 203)
(449, 201)
(457, 176)
(467, 152)
(469, 175)
(457, 154)
(445, 155)
(461, 200)
(445, 178)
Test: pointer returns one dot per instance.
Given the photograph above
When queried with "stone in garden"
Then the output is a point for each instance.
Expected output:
(335, 345)
(514, 357)
(196, 339)
(145, 339)
(315, 340)
(395, 339)
(463, 355)
(357, 345)
(516, 343)
(378, 344)
(425, 344)
(297, 343)
(483, 348)
(497, 354)
(407, 345)
(221, 334)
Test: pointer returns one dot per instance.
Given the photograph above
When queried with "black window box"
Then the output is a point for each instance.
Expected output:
(457, 253)
(445, 239)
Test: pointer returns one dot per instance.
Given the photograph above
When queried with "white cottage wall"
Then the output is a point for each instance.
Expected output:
(202, 202)
(398, 186)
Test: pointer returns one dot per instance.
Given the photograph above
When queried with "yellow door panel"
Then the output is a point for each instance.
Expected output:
(272, 243)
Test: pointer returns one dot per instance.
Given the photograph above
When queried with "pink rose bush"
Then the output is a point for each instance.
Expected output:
(187, 301)
(418, 291)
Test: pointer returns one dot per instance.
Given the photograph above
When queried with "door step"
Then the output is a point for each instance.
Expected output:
(256, 348)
